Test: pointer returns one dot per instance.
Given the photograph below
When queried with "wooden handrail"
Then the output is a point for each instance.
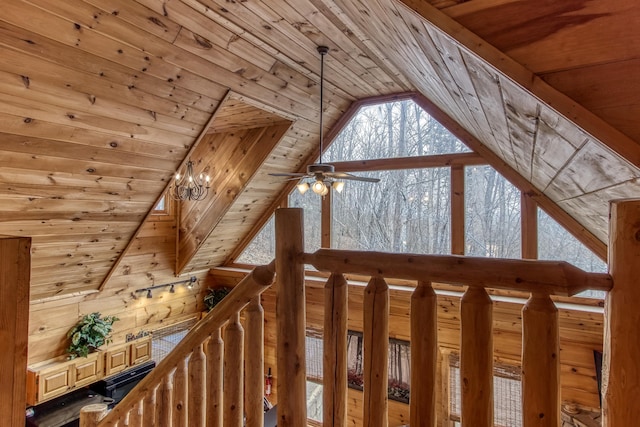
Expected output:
(549, 277)
(251, 286)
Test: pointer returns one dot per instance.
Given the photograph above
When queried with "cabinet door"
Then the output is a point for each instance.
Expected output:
(88, 370)
(140, 351)
(117, 359)
(54, 382)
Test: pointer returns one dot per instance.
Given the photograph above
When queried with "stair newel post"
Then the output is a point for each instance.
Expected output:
(233, 373)
(424, 355)
(215, 352)
(254, 363)
(180, 397)
(165, 408)
(197, 387)
(334, 405)
(91, 415)
(376, 353)
(540, 362)
(620, 369)
(291, 319)
(476, 357)
(149, 409)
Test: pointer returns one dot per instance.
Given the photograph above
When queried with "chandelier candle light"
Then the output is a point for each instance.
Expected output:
(189, 186)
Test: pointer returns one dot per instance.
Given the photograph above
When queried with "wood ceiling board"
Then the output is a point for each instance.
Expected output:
(19, 125)
(324, 28)
(551, 153)
(259, 19)
(593, 208)
(614, 84)
(593, 168)
(197, 224)
(73, 90)
(237, 114)
(548, 36)
(53, 114)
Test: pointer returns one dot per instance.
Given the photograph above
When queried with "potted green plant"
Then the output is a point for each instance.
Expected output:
(214, 296)
(89, 333)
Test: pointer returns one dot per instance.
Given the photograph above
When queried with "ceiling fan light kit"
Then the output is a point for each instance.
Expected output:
(323, 175)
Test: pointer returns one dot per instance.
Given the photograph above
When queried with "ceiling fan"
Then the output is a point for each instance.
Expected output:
(322, 175)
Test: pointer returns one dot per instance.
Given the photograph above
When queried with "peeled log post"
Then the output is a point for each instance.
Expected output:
(476, 358)
(254, 364)
(620, 369)
(291, 319)
(424, 355)
(165, 413)
(215, 352)
(197, 388)
(180, 397)
(91, 415)
(540, 363)
(233, 373)
(376, 353)
(334, 405)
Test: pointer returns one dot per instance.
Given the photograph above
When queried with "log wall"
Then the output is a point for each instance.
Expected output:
(150, 260)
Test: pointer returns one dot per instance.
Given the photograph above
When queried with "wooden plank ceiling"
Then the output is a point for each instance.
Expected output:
(102, 100)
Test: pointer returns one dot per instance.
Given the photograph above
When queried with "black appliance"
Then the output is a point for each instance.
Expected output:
(63, 411)
(117, 386)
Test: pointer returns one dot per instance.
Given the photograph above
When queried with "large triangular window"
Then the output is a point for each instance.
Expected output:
(418, 209)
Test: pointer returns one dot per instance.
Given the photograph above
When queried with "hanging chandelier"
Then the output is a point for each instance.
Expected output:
(190, 186)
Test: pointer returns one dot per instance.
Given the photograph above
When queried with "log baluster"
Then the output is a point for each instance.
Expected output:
(476, 358)
(233, 373)
(334, 404)
(540, 363)
(254, 364)
(424, 355)
(135, 415)
(215, 352)
(91, 415)
(291, 319)
(165, 408)
(150, 408)
(376, 353)
(197, 387)
(180, 397)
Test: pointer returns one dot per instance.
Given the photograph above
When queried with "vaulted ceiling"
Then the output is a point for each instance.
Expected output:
(102, 100)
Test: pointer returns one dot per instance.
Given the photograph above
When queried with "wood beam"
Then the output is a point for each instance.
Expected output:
(552, 277)
(529, 226)
(457, 210)
(416, 162)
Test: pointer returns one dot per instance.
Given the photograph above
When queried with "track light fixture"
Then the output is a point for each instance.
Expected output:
(190, 281)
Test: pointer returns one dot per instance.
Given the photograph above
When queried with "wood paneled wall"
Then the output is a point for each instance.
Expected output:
(149, 261)
(580, 332)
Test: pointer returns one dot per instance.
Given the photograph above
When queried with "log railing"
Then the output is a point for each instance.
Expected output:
(540, 363)
(186, 388)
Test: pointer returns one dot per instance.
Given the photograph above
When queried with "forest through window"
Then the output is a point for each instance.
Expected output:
(409, 210)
